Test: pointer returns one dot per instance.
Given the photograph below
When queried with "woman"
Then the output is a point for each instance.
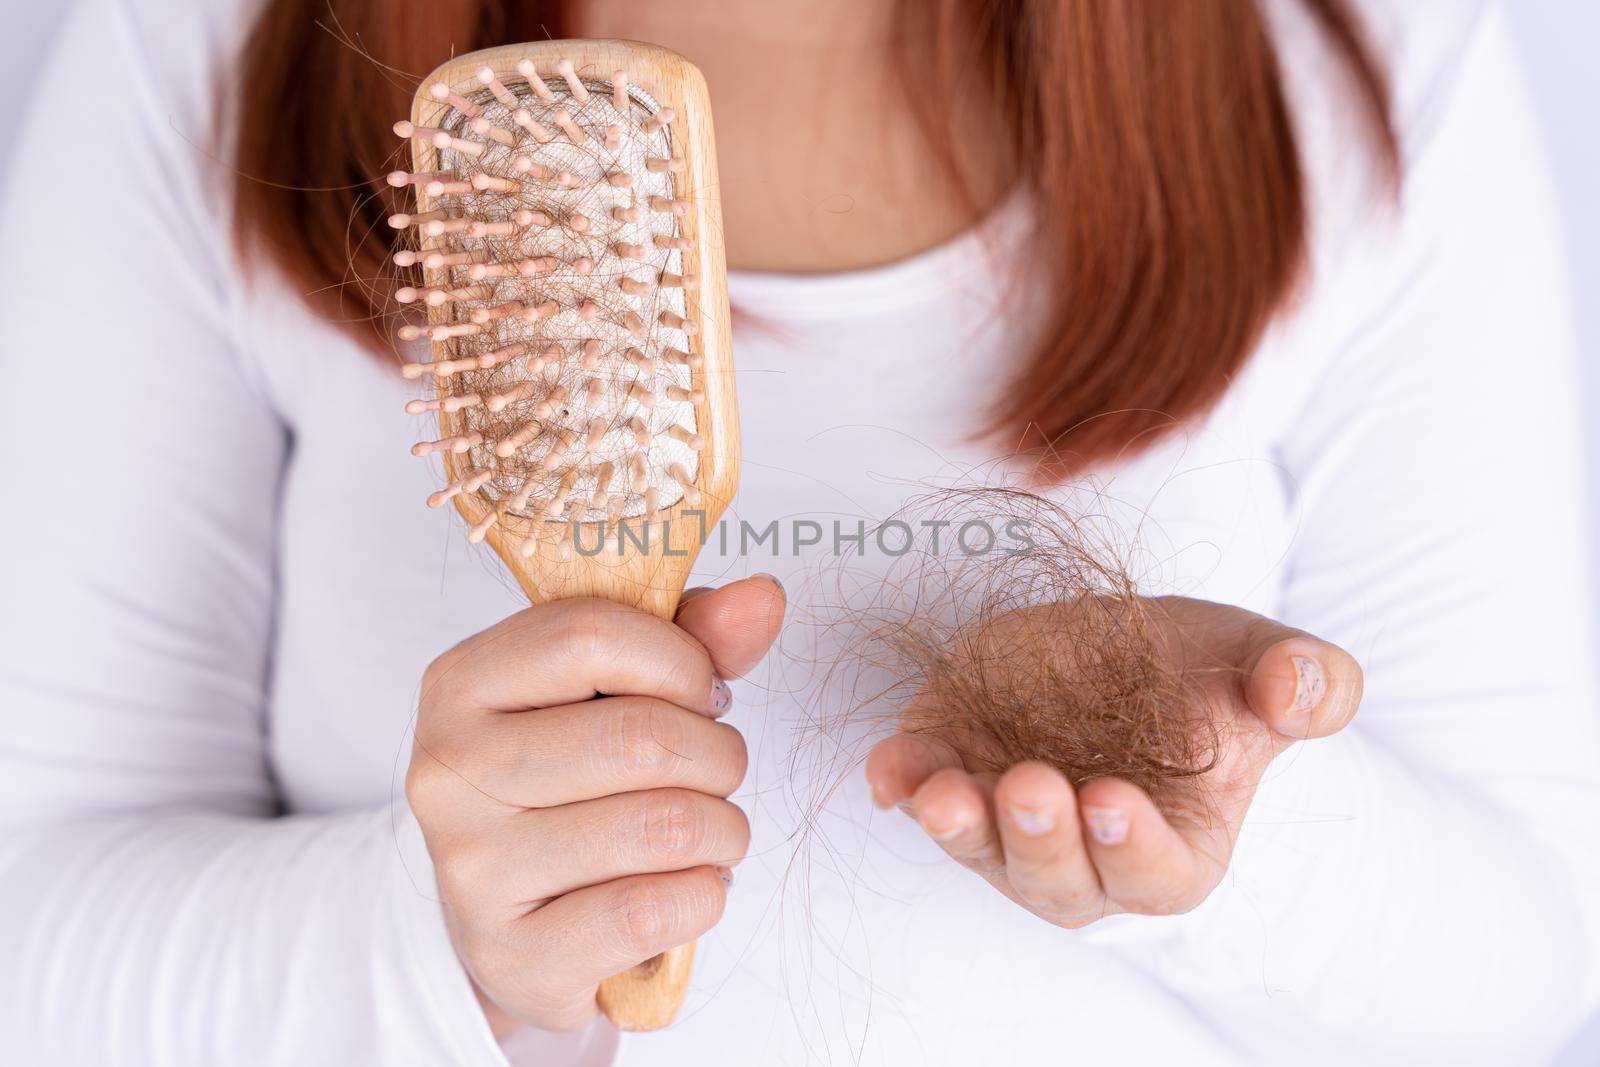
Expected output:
(1280, 281)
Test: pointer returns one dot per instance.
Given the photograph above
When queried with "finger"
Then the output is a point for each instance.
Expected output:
(1303, 687)
(577, 941)
(572, 650)
(898, 765)
(692, 593)
(736, 623)
(953, 807)
(1145, 864)
(577, 752)
(1299, 685)
(1047, 865)
(547, 852)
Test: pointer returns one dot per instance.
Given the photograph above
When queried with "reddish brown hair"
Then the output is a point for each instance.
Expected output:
(1154, 138)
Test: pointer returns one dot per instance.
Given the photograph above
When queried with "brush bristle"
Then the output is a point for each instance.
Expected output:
(550, 230)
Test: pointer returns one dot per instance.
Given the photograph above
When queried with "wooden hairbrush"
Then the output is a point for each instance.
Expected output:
(570, 242)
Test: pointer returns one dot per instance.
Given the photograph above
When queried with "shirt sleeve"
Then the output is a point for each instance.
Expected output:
(1423, 887)
(155, 906)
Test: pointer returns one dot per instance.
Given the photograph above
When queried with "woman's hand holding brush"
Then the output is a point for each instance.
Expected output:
(570, 779)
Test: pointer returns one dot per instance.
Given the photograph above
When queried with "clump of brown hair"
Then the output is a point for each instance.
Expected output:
(1041, 648)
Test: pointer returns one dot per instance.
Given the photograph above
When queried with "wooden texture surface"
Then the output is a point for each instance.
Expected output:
(644, 565)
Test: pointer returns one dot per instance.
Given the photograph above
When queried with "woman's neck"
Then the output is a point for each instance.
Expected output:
(823, 164)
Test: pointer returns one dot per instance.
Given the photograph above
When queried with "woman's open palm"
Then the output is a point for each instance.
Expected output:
(1073, 856)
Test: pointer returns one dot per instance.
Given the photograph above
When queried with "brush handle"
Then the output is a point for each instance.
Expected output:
(648, 996)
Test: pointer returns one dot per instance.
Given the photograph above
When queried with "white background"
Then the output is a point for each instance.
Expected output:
(1560, 38)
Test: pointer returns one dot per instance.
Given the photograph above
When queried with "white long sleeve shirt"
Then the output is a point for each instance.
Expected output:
(220, 590)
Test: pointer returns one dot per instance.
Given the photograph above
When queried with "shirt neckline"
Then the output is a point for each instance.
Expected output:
(961, 261)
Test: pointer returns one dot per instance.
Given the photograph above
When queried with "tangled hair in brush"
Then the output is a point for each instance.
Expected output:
(1042, 649)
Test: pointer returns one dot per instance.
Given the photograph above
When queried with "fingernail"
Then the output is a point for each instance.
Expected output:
(1033, 823)
(946, 833)
(726, 873)
(905, 808)
(1310, 685)
(721, 698)
(1109, 826)
(773, 578)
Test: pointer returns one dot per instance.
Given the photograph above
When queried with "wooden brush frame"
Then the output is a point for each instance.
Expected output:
(652, 579)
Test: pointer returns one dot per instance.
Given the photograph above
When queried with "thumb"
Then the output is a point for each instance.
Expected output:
(1299, 685)
(737, 622)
